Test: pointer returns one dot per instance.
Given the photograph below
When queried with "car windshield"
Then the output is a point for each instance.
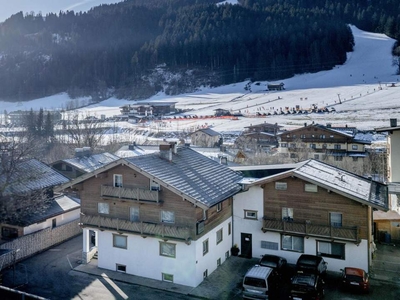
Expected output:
(256, 282)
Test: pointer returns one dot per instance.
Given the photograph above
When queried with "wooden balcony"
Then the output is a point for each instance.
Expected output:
(309, 229)
(132, 193)
(161, 230)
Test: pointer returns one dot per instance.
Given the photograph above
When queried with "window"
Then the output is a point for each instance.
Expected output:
(167, 277)
(219, 236)
(117, 180)
(310, 188)
(229, 228)
(205, 274)
(167, 216)
(282, 186)
(335, 219)
(284, 145)
(338, 158)
(292, 155)
(205, 247)
(354, 147)
(302, 136)
(134, 212)
(331, 249)
(226, 255)
(324, 146)
(292, 145)
(294, 136)
(167, 249)
(313, 146)
(219, 207)
(120, 241)
(269, 245)
(120, 268)
(103, 208)
(250, 214)
(322, 136)
(287, 214)
(292, 243)
(355, 158)
(54, 223)
(218, 262)
(337, 146)
(316, 156)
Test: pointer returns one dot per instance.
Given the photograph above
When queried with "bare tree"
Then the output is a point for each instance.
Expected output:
(84, 130)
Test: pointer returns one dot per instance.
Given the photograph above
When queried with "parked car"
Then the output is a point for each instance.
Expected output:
(259, 283)
(306, 286)
(311, 264)
(355, 279)
(277, 263)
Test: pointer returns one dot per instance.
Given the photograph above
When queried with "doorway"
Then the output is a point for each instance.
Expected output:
(246, 245)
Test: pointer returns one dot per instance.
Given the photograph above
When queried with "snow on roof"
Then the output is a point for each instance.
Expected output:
(91, 162)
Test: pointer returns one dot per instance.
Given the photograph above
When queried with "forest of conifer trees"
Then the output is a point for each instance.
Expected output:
(113, 49)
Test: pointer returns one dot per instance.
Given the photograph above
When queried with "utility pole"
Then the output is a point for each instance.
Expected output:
(340, 101)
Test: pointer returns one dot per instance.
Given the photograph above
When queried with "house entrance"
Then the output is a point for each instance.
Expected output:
(246, 245)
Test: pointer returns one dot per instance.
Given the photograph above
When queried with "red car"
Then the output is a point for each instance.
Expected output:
(355, 279)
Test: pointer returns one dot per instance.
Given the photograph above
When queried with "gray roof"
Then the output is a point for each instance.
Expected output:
(339, 181)
(191, 174)
(92, 162)
(209, 132)
(135, 150)
(59, 205)
(32, 175)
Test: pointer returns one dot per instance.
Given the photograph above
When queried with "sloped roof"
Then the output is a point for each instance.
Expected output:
(136, 150)
(208, 131)
(92, 162)
(191, 174)
(32, 175)
(323, 127)
(60, 205)
(347, 184)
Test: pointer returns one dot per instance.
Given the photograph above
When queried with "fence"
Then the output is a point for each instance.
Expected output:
(31, 244)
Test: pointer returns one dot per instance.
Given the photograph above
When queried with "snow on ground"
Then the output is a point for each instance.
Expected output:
(364, 92)
(10, 7)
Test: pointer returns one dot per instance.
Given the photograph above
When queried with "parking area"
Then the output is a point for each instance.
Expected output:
(58, 274)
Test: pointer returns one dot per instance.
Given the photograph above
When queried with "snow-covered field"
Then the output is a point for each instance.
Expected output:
(366, 85)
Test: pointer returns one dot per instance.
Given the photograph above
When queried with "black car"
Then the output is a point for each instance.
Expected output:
(306, 287)
(311, 264)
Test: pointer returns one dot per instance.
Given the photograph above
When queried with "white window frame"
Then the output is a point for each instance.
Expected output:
(330, 249)
(167, 216)
(280, 186)
(120, 241)
(312, 188)
(250, 214)
(295, 243)
(103, 208)
(219, 207)
(205, 247)
(354, 147)
(118, 266)
(168, 249)
(336, 219)
(117, 180)
(287, 214)
(219, 236)
(134, 214)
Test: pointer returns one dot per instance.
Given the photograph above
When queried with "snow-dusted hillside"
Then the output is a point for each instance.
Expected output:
(366, 86)
(10, 7)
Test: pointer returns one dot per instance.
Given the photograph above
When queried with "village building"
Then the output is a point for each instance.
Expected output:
(176, 204)
(206, 137)
(83, 162)
(310, 208)
(324, 143)
(29, 192)
(19, 117)
(147, 110)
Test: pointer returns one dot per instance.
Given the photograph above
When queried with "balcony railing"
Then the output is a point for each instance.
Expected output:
(313, 230)
(162, 230)
(134, 193)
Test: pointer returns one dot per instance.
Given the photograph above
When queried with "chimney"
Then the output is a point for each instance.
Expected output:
(87, 151)
(223, 160)
(393, 122)
(131, 146)
(79, 152)
(328, 125)
(166, 152)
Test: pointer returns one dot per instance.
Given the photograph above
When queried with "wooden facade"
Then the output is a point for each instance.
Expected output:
(312, 210)
(137, 192)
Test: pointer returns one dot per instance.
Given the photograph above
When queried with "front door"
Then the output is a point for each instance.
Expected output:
(246, 248)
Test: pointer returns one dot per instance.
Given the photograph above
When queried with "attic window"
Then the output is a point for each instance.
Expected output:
(310, 188)
(281, 186)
